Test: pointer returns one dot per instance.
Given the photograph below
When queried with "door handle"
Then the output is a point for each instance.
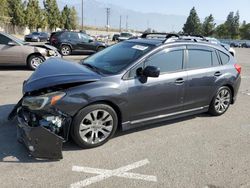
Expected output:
(217, 74)
(179, 81)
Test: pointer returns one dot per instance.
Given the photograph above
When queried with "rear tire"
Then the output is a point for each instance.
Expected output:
(221, 101)
(34, 61)
(94, 125)
(65, 50)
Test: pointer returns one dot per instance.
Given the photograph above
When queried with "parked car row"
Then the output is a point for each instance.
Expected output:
(238, 43)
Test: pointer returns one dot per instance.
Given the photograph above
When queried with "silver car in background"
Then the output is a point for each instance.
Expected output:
(13, 51)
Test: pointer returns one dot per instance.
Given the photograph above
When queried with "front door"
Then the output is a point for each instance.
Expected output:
(162, 95)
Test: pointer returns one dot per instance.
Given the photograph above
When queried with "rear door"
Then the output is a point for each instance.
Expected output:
(202, 73)
(162, 95)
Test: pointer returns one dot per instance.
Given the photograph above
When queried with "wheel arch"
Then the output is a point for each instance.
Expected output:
(232, 90)
(112, 105)
(66, 44)
(35, 53)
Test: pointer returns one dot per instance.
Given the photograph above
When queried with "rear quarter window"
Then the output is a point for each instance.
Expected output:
(216, 61)
(224, 58)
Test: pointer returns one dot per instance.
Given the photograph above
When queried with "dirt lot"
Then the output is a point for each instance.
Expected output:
(197, 151)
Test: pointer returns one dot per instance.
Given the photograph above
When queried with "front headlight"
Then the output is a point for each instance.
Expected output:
(51, 53)
(39, 102)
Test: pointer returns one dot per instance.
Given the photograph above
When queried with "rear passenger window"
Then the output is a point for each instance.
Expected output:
(216, 61)
(224, 58)
(199, 59)
(166, 61)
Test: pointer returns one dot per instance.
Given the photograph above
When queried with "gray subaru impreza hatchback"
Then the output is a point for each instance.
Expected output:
(135, 82)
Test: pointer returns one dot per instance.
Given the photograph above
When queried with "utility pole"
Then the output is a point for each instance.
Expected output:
(108, 16)
(120, 23)
(82, 15)
(127, 22)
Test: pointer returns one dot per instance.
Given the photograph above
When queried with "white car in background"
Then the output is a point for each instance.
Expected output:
(216, 41)
(125, 36)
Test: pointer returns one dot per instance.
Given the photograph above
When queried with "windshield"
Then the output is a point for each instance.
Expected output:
(35, 33)
(16, 39)
(116, 58)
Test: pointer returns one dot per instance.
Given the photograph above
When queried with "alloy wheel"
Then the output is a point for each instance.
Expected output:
(222, 101)
(35, 62)
(65, 50)
(96, 126)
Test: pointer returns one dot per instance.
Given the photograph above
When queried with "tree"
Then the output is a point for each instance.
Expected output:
(236, 26)
(65, 18)
(221, 31)
(16, 12)
(69, 18)
(245, 31)
(208, 26)
(73, 18)
(192, 25)
(3, 10)
(32, 14)
(42, 19)
(52, 13)
(233, 23)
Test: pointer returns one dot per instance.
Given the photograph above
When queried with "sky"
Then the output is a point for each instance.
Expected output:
(219, 8)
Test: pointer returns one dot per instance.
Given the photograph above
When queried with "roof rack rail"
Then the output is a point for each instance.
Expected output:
(167, 35)
(194, 38)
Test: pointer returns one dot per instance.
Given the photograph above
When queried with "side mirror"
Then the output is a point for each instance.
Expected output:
(91, 40)
(11, 43)
(151, 71)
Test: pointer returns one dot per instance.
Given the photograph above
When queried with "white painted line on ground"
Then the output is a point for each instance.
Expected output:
(246, 93)
(245, 77)
(119, 172)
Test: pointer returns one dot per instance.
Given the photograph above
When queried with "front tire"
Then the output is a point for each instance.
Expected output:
(94, 125)
(34, 61)
(65, 50)
(221, 101)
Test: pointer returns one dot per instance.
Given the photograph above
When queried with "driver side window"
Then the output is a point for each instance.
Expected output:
(84, 38)
(167, 61)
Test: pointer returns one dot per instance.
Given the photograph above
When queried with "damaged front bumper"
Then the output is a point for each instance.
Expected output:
(39, 139)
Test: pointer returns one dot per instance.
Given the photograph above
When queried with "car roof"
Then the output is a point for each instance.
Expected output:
(184, 41)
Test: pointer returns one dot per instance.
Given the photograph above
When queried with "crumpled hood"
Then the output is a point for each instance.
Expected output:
(56, 71)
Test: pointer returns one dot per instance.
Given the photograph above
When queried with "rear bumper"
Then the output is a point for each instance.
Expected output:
(236, 89)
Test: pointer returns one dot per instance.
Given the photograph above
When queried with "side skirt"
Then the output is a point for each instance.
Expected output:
(156, 119)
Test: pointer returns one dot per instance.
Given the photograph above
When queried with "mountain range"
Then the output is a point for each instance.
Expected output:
(95, 15)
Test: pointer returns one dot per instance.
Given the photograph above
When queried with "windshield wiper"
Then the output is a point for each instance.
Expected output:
(92, 67)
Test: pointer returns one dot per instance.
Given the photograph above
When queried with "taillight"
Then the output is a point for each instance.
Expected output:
(238, 68)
